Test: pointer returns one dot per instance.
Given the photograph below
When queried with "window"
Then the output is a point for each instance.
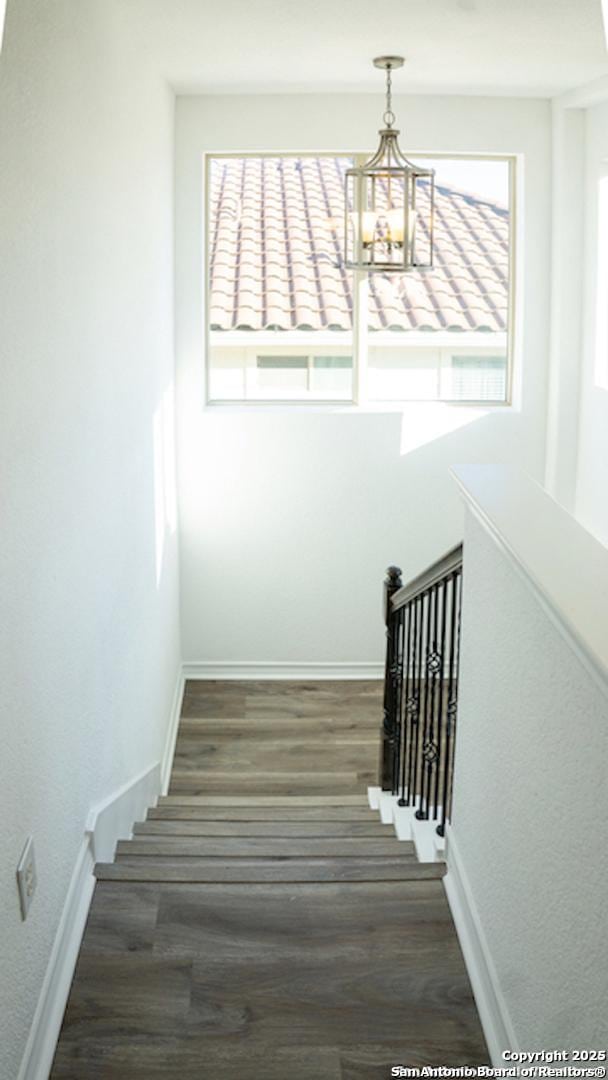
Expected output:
(287, 323)
(324, 375)
(475, 378)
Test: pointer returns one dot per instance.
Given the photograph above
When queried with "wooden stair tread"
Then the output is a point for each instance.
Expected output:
(243, 871)
(185, 787)
(236, 777)
(189, 782)
(278, 727)
(196, 735)
(240, 801)
(274, 757)
(278, 828)
(260, 813)
(265, 847)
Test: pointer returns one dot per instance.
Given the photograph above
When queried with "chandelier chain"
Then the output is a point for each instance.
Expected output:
(389, 116)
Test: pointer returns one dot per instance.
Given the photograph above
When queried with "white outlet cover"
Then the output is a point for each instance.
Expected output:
(26, 877)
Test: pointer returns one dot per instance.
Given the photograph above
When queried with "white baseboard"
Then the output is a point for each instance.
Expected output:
(169, 751)
(491, 1005)
(108, 822)
(288, 669)
(46, 1025)
(112, 819)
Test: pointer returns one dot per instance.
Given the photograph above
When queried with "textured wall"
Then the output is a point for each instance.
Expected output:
(302, 510)
(88, 634)
(531, 803)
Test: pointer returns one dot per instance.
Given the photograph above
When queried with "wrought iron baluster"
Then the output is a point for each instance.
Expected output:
(458, 595)
(429, 748)
(441, 764)
(413, 706)
(450, 704)
(397, 673)
(422, 813)
(419, 701)
(392, 583)
(390, 721)
(406, 724)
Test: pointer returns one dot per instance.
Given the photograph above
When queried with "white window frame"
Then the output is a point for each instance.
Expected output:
(446, 341)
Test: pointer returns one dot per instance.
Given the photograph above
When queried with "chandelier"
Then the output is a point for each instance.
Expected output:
(389, 202)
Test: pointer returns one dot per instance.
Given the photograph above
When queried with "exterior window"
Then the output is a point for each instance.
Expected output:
(298, 375)
(287, 323)
(477, 378)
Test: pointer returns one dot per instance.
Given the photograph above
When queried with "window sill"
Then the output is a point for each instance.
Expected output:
(352, 407)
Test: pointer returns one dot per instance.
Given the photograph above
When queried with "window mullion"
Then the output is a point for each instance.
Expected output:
(360, 304)
(360, 295)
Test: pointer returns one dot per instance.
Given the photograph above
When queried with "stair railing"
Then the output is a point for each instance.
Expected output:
(421, 687)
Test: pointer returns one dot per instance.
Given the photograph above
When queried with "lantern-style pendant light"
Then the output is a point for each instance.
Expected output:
(389, 202)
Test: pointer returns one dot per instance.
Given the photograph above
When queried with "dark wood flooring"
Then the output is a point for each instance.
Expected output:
(262, 924)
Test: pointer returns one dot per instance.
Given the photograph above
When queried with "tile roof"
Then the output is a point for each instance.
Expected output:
(276, 234)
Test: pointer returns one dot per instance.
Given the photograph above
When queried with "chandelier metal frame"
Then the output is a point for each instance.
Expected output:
(389, 202)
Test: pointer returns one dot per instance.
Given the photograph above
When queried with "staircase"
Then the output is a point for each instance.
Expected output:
(262, 924)
(264, 839)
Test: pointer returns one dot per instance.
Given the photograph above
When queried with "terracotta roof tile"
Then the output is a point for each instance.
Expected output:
(276, 235)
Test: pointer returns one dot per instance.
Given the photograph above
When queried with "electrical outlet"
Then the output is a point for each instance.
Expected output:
(26, 877)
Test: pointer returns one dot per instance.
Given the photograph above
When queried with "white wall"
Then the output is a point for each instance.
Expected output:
(289, 518)
(531, 798)
(88, 636)
(592, 500)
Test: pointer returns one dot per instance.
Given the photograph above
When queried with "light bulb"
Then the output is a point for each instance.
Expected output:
(369, 221)
(395, 226)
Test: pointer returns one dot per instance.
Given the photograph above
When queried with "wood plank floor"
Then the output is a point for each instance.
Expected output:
(294, 738)
(273, 929)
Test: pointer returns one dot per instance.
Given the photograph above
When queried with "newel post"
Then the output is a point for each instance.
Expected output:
(392, 583)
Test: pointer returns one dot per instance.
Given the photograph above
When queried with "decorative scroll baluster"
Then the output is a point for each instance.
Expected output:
(417, 714)
(440, 764)
(426, 762)
(421, 688)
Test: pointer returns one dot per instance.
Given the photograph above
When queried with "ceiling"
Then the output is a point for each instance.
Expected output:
(511, 47)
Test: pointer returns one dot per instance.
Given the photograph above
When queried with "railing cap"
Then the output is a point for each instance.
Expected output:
(435, 573)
